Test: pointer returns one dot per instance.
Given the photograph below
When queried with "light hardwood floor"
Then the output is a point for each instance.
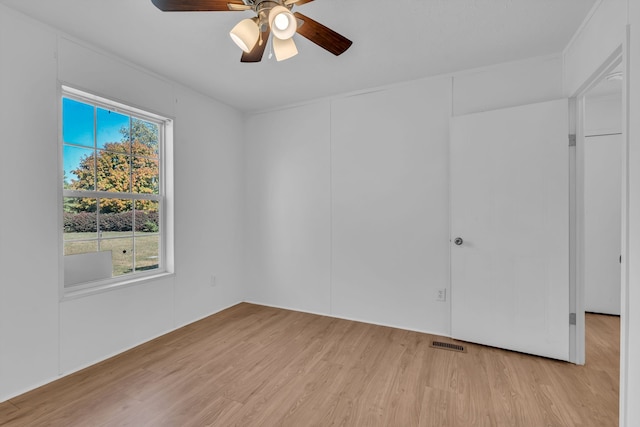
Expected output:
(258, 366)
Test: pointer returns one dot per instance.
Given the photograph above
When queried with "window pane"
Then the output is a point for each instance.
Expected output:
(145, 176)
(74, 248)
(147, 251)
(113, 131)
(147, 239)
(80, 218)
(79, 168)
(77, 123)
(121, 254)
(116, 218)
(147, 217)
(111, 160)
(144, 138)
(114, 172)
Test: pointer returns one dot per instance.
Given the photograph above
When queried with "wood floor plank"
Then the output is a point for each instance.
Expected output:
(472, 406)
(407, 390)
(8, 411)
(438, 408)
(260, 366)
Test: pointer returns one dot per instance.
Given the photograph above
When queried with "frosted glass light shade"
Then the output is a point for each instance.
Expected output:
(245, 34)
(282, 22)
(284, 49)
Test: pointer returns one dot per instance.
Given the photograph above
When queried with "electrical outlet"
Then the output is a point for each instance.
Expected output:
(442, 295)
(214, 281)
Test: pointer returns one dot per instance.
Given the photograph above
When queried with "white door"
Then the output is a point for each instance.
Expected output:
(602, 201)
(510, 208)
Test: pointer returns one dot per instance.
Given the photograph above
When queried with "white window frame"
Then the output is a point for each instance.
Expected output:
(164, 196)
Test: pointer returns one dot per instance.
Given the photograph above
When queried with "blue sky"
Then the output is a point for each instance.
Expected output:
(78, 129)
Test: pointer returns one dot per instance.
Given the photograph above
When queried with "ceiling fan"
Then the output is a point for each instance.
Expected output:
(272, 17)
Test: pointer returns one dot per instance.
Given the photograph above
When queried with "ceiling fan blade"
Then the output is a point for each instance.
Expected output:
(195, 5)
(258, 50)
(323, 36)
(238, 7)
(296, 2)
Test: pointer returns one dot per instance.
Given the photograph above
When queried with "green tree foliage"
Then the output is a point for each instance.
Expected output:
(130, 165)
(144, 132)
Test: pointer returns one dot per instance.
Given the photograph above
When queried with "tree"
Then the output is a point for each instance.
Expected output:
(69, 204)
(144, 132)
(130, 165)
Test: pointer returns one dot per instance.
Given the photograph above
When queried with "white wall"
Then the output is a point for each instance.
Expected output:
(28, 223)
(631, 327)
(347, 210)
(508, 85)
(288, 220)
(390, 233)
(208, 153)
(41, 337)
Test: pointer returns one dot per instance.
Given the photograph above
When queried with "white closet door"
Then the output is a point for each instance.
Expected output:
(510, 208)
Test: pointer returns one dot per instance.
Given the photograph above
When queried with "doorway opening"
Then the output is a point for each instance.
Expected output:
(602, 194)
(599, 169)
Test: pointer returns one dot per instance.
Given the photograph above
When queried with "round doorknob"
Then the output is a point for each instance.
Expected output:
(458, 241)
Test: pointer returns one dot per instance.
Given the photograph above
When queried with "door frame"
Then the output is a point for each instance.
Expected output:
(577, 248)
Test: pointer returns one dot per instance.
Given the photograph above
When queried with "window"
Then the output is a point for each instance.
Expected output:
(113, 191)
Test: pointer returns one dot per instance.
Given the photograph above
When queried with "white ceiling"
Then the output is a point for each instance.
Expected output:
(393, 40)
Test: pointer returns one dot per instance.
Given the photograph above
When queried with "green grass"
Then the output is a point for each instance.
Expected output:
(121, 245)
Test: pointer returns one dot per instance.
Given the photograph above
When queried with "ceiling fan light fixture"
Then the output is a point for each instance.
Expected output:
(615, 75)
(273, 20)
(245, 34)
(284, 49)
(282, 22)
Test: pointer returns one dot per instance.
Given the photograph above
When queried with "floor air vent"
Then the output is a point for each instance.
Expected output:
(448, 346)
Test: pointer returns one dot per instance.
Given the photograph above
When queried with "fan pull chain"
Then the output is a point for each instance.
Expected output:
(270, 47)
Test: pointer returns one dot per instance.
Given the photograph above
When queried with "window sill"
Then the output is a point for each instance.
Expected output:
(71, 293)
